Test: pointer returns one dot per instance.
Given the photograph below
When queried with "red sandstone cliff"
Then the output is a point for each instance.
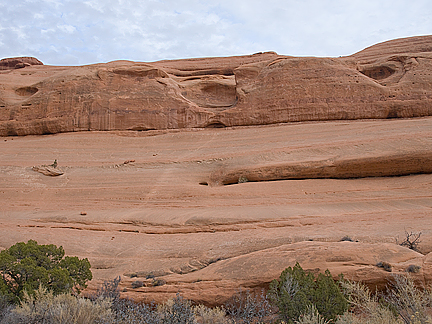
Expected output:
(388, 80)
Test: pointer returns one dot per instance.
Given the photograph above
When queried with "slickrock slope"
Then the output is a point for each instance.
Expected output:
(388, 80)
(136, 205)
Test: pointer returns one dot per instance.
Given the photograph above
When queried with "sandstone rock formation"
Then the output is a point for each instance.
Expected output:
(151, 217)
(200, 206)
(18, 62)
(388, 80)
(214, 283)
(48, 170)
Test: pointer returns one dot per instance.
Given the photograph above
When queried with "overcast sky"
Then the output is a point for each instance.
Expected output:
(76, 32)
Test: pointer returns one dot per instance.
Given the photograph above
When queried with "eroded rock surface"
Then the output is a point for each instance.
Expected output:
(147, 212)
(215, 283)
(168, 192)
(47, 170)
(388, 80)
(18, 62)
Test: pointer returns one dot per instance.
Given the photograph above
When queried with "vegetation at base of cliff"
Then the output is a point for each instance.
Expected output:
(323, 301)
(38, 284)
(24, 267)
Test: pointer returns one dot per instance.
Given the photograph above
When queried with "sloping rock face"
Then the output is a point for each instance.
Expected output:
(215, 283)
(388, 80)
(133, 203)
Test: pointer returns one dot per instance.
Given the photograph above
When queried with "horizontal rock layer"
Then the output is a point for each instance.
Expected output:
(388, 80)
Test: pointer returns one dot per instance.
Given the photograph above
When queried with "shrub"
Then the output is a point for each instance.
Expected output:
(137, 284)
(109, 289)
(128, 312)
(296, 290)
(409, 301)
(177, 311)
(413, 268)
(243, 179)
(412, 240)
(5, 304)
(311, 316)
(125, 311)
(205, 315)
(245, 307)
(44, 307)
(368, 306)
(158, 282)
(24, 266)
(403, 303)
(385, 265)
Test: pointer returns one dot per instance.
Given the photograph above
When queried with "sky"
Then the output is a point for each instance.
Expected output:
(78, 32)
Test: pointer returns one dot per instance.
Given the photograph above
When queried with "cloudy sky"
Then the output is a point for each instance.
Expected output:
(76, 32)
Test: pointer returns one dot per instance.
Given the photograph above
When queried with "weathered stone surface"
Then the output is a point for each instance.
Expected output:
(132, 203)
(48, 170)
(18, 62)
(388, 80)
(400, 164)
(254, 271)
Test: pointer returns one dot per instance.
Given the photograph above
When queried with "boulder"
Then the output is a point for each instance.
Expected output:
(18, 62)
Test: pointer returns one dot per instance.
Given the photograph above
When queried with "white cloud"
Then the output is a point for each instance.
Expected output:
(68, 29)
(71, 32)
